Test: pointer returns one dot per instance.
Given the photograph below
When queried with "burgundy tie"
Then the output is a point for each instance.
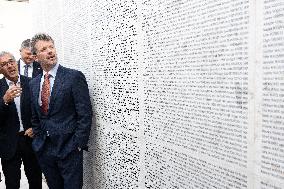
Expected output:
(45, 93)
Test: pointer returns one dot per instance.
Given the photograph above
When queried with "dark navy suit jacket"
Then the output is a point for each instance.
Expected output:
(69, 117)
(9, 120)
(36, 68)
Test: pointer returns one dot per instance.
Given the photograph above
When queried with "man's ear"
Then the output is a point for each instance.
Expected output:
(35, 57)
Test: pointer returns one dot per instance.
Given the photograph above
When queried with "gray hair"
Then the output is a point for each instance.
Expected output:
(3, 53)
(26, 44)
(39, 37)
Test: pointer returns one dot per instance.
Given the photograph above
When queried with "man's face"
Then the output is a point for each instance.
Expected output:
(46, 54)
(27, 55)
(8, 67)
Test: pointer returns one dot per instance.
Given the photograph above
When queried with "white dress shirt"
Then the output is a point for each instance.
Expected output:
(22, 68)
(52, 76)
(17, 101)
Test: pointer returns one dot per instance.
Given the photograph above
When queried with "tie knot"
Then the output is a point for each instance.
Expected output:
(12, 83)
(27, 66)
(46, 76)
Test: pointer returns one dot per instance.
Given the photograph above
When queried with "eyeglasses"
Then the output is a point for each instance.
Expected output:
(3, 64)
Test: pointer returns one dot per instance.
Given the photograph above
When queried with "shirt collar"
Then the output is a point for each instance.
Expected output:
(9, 82)
(53, 71)
(22, 64)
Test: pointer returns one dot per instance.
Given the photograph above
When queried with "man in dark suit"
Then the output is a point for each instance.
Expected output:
(62, 117)
(27, 65)
(15, 126)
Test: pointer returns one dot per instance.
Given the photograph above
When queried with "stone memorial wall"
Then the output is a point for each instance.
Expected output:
(186, 94)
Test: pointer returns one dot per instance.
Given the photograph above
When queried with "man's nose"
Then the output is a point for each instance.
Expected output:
(10, 66)
(49, 51)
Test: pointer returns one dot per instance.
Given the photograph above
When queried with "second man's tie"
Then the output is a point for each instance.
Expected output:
(45, 93)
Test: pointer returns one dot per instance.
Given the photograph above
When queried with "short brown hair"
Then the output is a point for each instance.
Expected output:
(39, 37)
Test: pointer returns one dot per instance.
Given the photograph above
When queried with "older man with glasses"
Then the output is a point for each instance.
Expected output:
(15, 126)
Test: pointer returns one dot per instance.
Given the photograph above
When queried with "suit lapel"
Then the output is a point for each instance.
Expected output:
(22, 97)
(35, 91)
(36, 69)
(19, 67)
(4, 85)
(57, 87)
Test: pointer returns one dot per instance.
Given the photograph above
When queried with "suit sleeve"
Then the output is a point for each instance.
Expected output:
(83, 107)
(3, 107)
(34, 118)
